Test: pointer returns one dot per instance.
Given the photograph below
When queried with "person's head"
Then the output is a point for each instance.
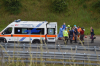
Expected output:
(74, 25)
(82, 28)
(78, 26)
(64, 23)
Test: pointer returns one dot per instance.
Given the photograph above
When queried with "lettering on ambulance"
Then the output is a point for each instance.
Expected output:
(24, 25)
(27, 25)
(33, 30)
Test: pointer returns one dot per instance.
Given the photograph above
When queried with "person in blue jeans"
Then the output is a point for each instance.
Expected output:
(92, 34)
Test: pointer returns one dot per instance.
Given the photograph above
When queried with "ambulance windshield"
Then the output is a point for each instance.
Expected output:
(8, 30)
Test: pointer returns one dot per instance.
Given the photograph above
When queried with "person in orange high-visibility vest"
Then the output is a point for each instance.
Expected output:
(79, 29)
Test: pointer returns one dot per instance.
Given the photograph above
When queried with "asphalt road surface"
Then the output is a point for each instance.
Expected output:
(61, 42)
(87, 42)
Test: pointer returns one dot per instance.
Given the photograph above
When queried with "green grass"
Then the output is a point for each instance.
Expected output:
(39, 10)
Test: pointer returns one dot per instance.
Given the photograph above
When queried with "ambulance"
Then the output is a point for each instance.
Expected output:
(29, 31)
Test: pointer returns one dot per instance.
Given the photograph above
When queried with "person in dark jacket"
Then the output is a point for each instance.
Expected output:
(76, 33)
(71, 32)
(92, 34)
(82, 35)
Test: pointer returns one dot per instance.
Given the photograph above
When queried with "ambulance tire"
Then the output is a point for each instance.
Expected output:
(1, 41)
(36, 41)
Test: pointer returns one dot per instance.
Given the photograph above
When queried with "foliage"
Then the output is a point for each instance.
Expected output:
(59, 5)
(84, 6)
(39, 10)
(81, 1)
(96, 6)
(12, 6)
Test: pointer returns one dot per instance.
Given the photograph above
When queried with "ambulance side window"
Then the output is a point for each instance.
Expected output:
(51, 31)
(20, 30)
(37, 31)
(8, 30)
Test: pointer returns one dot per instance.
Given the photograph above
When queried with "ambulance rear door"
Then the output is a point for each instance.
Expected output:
(51, 32)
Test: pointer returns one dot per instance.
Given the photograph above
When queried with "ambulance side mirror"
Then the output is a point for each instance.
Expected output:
(3, 33)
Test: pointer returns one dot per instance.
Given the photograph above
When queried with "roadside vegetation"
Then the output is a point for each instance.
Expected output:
(83, 13)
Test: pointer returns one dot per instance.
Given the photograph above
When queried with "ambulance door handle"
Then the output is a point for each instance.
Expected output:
(11, 35)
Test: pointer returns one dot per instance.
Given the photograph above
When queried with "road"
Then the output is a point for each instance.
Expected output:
(61, 42)
(87, 42)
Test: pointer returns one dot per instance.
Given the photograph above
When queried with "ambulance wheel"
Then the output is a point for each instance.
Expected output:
(1, 41)
(36, 42)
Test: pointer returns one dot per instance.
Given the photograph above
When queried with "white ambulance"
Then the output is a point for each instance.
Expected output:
(29, 31)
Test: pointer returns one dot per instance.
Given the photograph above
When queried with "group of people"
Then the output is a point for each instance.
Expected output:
(73, 33)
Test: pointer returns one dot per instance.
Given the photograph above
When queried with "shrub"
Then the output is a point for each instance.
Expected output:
(96, 6)
(84, 6)
(59, 5)
(81, 2)
(12, 6)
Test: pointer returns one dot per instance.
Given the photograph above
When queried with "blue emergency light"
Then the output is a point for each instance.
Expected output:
(17, 20)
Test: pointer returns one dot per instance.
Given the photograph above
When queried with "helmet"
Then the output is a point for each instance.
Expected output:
(75, 25)
(68, 25)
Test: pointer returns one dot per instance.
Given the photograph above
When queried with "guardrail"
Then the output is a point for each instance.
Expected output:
(56, 46)
(51, 55)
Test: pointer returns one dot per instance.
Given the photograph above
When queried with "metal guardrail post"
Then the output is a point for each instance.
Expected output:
(76, 49)
(26, 59)
(64, 59)
(2, 60)
(24, 47)
(84, 60)
(45, 59)
(58, 48)
(95, 49)
(6, 46)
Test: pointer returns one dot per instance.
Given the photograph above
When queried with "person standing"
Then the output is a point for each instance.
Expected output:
(65, 35)
(78, 29)
(64, 26)
(60, 35)
(71, 35)
(92, 34)
(82, 35)
(76, 33)
(69, 28)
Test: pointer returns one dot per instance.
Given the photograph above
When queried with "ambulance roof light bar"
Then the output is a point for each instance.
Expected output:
(17, 20)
